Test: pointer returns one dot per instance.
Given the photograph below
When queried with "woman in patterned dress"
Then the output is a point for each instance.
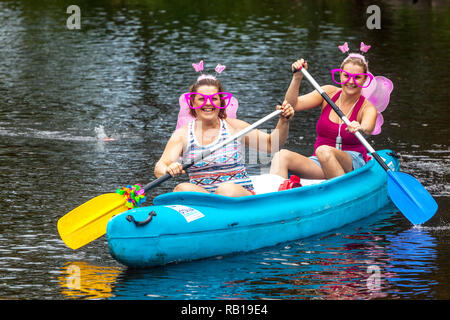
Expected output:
(223, 172)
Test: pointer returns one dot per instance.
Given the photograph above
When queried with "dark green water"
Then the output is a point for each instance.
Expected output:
(122, 74)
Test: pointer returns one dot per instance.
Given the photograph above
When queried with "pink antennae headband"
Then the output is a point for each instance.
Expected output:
(362, 47)
(199, 67)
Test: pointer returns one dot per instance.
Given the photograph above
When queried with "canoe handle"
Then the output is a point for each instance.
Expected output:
(394, 154)
(144, 222)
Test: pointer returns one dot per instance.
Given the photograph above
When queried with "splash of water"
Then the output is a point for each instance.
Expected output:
(432, 228)
(101, 134)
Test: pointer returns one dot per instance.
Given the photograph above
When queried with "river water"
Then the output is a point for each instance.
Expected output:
(121, 74)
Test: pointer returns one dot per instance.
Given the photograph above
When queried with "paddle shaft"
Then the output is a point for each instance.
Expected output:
(343, 117)
(206, 153)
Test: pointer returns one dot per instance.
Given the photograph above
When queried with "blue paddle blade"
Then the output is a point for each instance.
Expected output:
(411, 197)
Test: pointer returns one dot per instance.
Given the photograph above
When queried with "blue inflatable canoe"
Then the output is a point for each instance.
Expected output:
(183, 226)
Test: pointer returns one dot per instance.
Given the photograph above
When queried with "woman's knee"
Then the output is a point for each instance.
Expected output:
(229, 189)
(324, 153)
(184, 186)
(282, 154)
(281, 157)
(226, 189)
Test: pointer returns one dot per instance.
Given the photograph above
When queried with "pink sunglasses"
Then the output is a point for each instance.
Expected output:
(336, 73)
(215, 99)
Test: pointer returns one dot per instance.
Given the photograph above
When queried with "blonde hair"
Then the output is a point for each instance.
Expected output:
(358, 61)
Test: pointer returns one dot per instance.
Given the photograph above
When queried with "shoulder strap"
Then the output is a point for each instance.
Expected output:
(336, 95)
(358, 105)
(334, 99)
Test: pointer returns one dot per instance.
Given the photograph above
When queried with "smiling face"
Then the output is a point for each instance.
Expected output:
(208, 111)
(207, 86)
(350, 87)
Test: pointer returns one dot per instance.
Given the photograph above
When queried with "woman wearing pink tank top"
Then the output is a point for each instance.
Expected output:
(336, 150)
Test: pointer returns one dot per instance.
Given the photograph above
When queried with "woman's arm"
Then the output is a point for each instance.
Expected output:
(367, 120)
(294, 87)
(168, 163)
(309, 100)
(313, 99)
(265, 142)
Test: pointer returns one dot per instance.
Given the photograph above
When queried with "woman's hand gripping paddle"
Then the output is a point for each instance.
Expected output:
(88, 221)
(405, 191)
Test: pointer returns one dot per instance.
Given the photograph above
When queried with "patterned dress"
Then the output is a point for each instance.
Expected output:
(223, 165)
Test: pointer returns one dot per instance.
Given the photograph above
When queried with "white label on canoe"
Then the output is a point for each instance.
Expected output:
(190, 214)
(390, 164)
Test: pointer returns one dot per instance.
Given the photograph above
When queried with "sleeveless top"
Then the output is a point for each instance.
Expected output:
(223, 165)
(327, 131)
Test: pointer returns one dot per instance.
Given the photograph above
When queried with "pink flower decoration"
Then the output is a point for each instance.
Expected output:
(364, 47)
(344, 48)
(220, 68)
(198, 67)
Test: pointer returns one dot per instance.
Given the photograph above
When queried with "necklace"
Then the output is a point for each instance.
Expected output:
(339, 138)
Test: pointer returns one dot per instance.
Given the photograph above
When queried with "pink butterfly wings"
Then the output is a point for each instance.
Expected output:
(378, 93)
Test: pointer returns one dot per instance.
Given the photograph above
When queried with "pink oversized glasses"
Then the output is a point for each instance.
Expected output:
(215, 99)
(336, 73)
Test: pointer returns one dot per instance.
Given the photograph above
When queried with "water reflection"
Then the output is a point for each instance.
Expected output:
(83, 280)
(370, 259)
(412, 262)
(361, 261)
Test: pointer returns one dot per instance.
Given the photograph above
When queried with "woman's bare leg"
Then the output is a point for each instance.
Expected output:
(190, 187)
(285, 161)
(334, 162)
(230, 189)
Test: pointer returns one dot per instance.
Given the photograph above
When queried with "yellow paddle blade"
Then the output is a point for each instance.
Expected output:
(88, 221)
